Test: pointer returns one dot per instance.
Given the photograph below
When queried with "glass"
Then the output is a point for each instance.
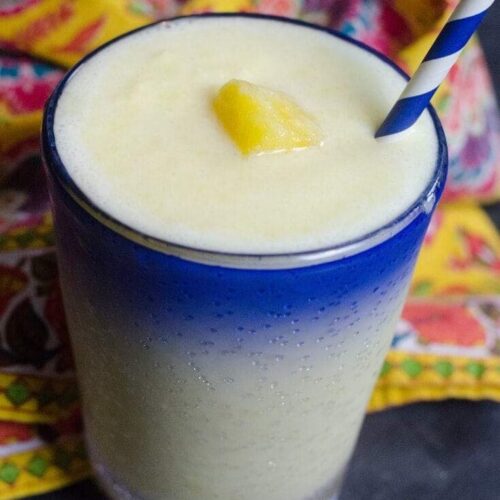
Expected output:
(207, 375)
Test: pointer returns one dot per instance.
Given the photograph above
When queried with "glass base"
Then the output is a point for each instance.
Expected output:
(116, 491)
(110, 487)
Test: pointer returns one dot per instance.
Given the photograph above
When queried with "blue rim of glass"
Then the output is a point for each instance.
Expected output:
(424, 204)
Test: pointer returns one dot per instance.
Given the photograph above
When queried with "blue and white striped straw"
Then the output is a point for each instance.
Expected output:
(434, 68)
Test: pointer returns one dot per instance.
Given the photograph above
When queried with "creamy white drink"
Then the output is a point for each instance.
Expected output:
(205, 383)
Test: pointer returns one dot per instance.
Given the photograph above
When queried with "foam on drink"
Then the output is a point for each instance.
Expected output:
(136, 130)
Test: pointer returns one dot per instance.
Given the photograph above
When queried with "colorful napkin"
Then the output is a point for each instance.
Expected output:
(446, 345)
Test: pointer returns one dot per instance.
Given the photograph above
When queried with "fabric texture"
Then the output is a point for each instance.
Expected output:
(448, 341)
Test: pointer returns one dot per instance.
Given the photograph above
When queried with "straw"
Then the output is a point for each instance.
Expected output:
(434, 68)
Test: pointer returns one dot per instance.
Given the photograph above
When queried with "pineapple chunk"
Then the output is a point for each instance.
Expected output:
(260, 120)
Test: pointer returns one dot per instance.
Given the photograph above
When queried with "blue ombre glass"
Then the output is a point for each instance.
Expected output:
(207, 375)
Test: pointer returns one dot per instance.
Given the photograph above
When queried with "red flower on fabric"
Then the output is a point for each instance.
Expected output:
(24, 85)
(477, 252)
(14, 432)
(444, 324)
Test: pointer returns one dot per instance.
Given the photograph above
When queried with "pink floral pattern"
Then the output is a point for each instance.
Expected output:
(470, 118)
(25, 85)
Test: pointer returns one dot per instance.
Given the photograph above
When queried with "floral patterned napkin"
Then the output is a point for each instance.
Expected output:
(446, 345)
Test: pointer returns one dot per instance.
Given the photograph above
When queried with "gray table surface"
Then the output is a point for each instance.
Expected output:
(426, 451)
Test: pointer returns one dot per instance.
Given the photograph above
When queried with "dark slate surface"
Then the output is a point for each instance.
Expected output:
(427, 451)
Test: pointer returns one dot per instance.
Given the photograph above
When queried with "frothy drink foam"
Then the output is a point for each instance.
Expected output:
(137, 132)
(210, 383)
